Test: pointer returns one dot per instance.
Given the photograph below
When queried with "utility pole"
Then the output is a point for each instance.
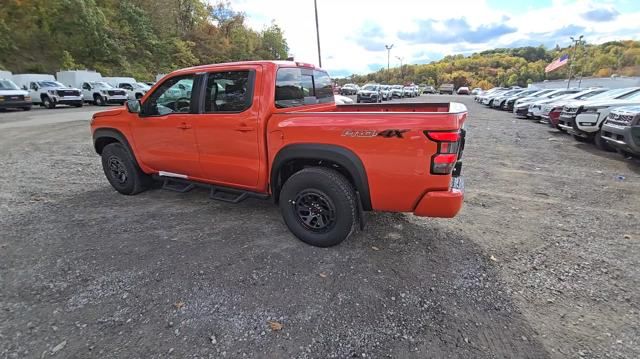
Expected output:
(388, 47)
(401, 69)
(575, 45)
(315, 6)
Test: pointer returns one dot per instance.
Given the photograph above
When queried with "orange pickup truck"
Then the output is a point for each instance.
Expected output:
(270, 129)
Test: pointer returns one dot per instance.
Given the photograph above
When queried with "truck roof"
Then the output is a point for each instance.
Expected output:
(277, 63)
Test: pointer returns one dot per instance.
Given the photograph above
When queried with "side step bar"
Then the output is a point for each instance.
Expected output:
(219, 193)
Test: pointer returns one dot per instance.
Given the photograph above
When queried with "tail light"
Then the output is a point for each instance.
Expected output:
(555, 113)
(443, 162)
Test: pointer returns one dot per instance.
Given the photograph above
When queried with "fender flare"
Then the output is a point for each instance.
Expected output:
(112, 133)
(344, 157)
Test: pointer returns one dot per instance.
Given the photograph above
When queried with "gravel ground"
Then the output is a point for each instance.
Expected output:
(541, 262)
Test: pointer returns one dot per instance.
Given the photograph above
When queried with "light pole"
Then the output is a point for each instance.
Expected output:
(388, 47)
(315, 6)
(401, 69)
(575, 45)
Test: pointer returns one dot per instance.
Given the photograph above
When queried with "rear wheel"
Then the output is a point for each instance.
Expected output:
(319, 206)
(580, 138)
(28, 108)
(122, 171)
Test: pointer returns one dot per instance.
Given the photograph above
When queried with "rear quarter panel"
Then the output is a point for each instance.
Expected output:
(398, 169)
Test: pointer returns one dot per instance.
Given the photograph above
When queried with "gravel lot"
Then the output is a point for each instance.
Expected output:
(541, 262)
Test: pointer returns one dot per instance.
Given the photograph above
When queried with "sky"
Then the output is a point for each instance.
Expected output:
(353, 33)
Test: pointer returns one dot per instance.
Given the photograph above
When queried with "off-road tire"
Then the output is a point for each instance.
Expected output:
(136, 181)
(334, 187)
(580, 138)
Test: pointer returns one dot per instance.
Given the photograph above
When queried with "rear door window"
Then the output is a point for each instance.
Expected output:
(229, 91)
(300, 86)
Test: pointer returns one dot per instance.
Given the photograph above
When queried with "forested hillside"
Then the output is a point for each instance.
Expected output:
(128, 37)
(517, 66)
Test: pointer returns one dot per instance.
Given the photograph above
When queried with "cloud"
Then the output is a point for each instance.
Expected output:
(569, 30)
(454, 30)
(370, 37)
(601, 14)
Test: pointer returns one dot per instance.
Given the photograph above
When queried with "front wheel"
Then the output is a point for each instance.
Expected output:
(48, 103)
(98, 100)
(601, 143)
(319, 206)
(122, 171)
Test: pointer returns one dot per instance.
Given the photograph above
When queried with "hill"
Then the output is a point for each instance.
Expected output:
(516, 66)
(137, 38)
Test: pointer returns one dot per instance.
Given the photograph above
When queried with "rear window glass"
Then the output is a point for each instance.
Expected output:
(299, 87)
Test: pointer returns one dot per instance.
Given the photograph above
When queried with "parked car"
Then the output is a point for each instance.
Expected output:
(550, 112)
(133, 88)
(446, 89)
(45, 91)
(429, 89)
(476, 91)
(463, 90)
(521, 106)
(103, 94)
(499, 100)
(342, 100)
(590, 116)
(349, 89)
(385, 92)
(397, 91)
(621, 130)
(508, 103)
(324, 176)
(487, 100)
(11, 96)
(480, 97)
(369, 93)
(407, 91)
(535, 107)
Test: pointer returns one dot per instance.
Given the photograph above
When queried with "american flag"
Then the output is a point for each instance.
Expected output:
(558, 63)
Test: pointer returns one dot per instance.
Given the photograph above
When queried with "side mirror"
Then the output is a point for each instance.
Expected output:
(133, 106)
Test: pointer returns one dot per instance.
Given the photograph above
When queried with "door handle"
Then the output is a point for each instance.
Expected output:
(184, 126)
(244, 129)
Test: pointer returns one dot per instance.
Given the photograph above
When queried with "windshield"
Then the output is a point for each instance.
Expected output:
(8, 85)
(50, 84)
(370, 88)
(632, 96)
(611, 94)
(101, 85)
(140, 85)
(588, 94)
(349, 86)
(397, 87)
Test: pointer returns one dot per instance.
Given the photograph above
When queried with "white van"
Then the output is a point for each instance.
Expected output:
(135, 90)
(46, 91)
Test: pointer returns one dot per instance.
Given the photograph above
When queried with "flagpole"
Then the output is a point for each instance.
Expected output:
(573, 58)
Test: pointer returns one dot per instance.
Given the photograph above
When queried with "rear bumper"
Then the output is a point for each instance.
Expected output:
(443, 204)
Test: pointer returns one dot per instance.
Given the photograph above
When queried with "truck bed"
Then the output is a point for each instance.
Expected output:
(445, 107)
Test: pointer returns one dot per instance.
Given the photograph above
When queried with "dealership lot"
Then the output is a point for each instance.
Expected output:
(541, 262)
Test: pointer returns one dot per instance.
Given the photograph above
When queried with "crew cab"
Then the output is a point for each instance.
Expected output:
(621, 130)
(446, 89)
(271, 129)
(102, 93)
(45, 91)
(134, 89)
(586, 121)
(12, 97)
